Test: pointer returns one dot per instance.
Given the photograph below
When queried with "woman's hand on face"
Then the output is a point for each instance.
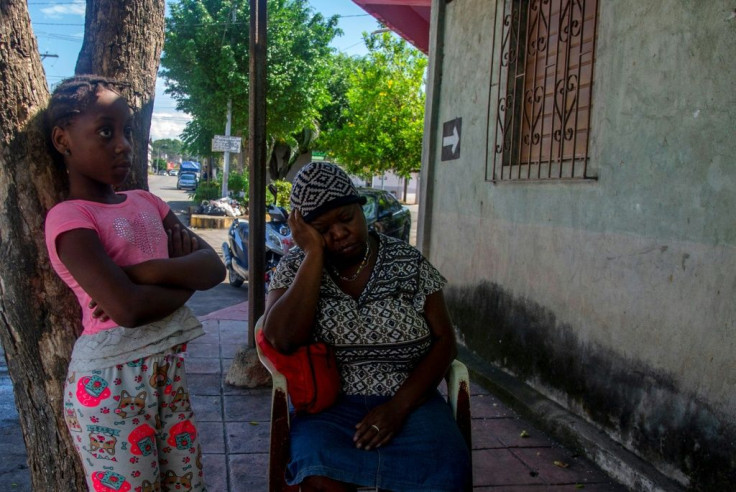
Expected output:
(181, 243)
(304, 235)
(379, 426)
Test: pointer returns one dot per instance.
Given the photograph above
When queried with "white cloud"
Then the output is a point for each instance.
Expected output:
(168, 125)
(76, 8)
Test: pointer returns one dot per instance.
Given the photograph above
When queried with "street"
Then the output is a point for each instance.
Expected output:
(224, 295)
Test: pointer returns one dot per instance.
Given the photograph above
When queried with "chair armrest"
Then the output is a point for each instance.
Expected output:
(279, 441)
(458, 396)
(457, 381)
(278, 379)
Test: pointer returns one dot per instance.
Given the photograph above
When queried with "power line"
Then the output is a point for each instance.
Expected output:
(57, 24)
(194, 24)
(63, 37)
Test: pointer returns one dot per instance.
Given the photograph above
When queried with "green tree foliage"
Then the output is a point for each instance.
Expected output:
(167, 148)
(381, 128)
(205, 63)
(334, 115)
(159, 164)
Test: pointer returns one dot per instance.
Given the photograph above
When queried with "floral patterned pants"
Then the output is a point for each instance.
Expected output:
(133, 426)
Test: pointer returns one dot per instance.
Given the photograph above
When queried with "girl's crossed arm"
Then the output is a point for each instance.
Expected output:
(192, 263)
(153, 289)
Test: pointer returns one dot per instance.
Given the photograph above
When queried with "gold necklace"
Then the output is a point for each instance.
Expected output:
(360, 268)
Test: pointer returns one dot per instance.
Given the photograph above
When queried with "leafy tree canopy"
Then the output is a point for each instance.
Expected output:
(171, 147)
(205, 63)
(334, 115)
(380, 128)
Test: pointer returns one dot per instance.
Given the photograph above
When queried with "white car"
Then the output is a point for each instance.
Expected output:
(186, 181)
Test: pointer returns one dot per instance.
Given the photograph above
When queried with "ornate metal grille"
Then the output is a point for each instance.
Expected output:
(541, 88)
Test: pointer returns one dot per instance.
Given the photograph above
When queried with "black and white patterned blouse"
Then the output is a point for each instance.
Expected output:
(380, 337)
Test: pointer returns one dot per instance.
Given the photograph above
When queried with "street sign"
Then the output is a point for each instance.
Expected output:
(222, 143)
(451, 132)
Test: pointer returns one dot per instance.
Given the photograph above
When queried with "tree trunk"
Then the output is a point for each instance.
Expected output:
(39, 316)
(123, 40)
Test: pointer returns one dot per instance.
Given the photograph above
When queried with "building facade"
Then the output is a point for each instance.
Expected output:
(578, 192)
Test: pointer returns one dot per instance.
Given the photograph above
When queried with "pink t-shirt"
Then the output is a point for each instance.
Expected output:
(131, 232)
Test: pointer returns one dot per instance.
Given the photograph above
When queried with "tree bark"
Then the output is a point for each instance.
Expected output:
(39, 316)
(123, 40)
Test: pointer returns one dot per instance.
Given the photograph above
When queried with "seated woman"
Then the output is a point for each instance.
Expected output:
(379, 303)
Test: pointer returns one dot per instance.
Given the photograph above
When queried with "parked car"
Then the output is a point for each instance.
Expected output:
(385, 214)
(186, 181)
(173, 172)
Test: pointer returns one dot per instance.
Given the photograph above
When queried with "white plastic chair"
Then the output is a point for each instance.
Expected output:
(458, 397)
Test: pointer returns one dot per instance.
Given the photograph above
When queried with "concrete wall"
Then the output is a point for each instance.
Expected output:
(614, 297)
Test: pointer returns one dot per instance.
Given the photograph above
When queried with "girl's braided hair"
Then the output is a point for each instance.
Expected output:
(70, 98)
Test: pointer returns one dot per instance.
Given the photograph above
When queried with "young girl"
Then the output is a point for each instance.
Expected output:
(132, 265)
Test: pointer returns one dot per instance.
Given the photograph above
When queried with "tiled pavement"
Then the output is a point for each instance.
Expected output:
(509, 454)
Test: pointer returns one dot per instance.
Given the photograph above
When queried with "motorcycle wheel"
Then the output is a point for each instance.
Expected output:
(235, 279)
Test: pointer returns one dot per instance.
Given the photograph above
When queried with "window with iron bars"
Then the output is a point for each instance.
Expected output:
(541, 89)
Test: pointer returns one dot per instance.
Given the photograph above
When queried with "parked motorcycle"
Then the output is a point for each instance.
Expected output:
(278, 243)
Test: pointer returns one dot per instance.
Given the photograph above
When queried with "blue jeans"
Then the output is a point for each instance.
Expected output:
(428, 453)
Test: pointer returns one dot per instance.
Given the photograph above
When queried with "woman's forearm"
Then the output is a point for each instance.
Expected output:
(432, 368)
(290, 315)
(427, 375)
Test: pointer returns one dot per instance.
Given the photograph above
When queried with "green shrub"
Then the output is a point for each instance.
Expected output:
(283, 193)
(206, 190)
(237, 183)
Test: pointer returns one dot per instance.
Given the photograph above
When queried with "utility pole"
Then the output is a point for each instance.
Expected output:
(228, 123)
(226, 164)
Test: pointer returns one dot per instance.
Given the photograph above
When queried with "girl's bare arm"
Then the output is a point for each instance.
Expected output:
(192, 263)
(126, 302)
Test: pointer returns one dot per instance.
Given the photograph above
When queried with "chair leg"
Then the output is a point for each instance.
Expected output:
(279, 445)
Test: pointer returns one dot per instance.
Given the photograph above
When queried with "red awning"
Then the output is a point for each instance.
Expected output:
(407, 18)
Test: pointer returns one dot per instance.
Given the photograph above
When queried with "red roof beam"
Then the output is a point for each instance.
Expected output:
(408, 18)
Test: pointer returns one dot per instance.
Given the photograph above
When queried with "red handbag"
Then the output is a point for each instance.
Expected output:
(312, 378)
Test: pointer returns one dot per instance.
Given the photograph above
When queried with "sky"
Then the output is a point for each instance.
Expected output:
(59, 29)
